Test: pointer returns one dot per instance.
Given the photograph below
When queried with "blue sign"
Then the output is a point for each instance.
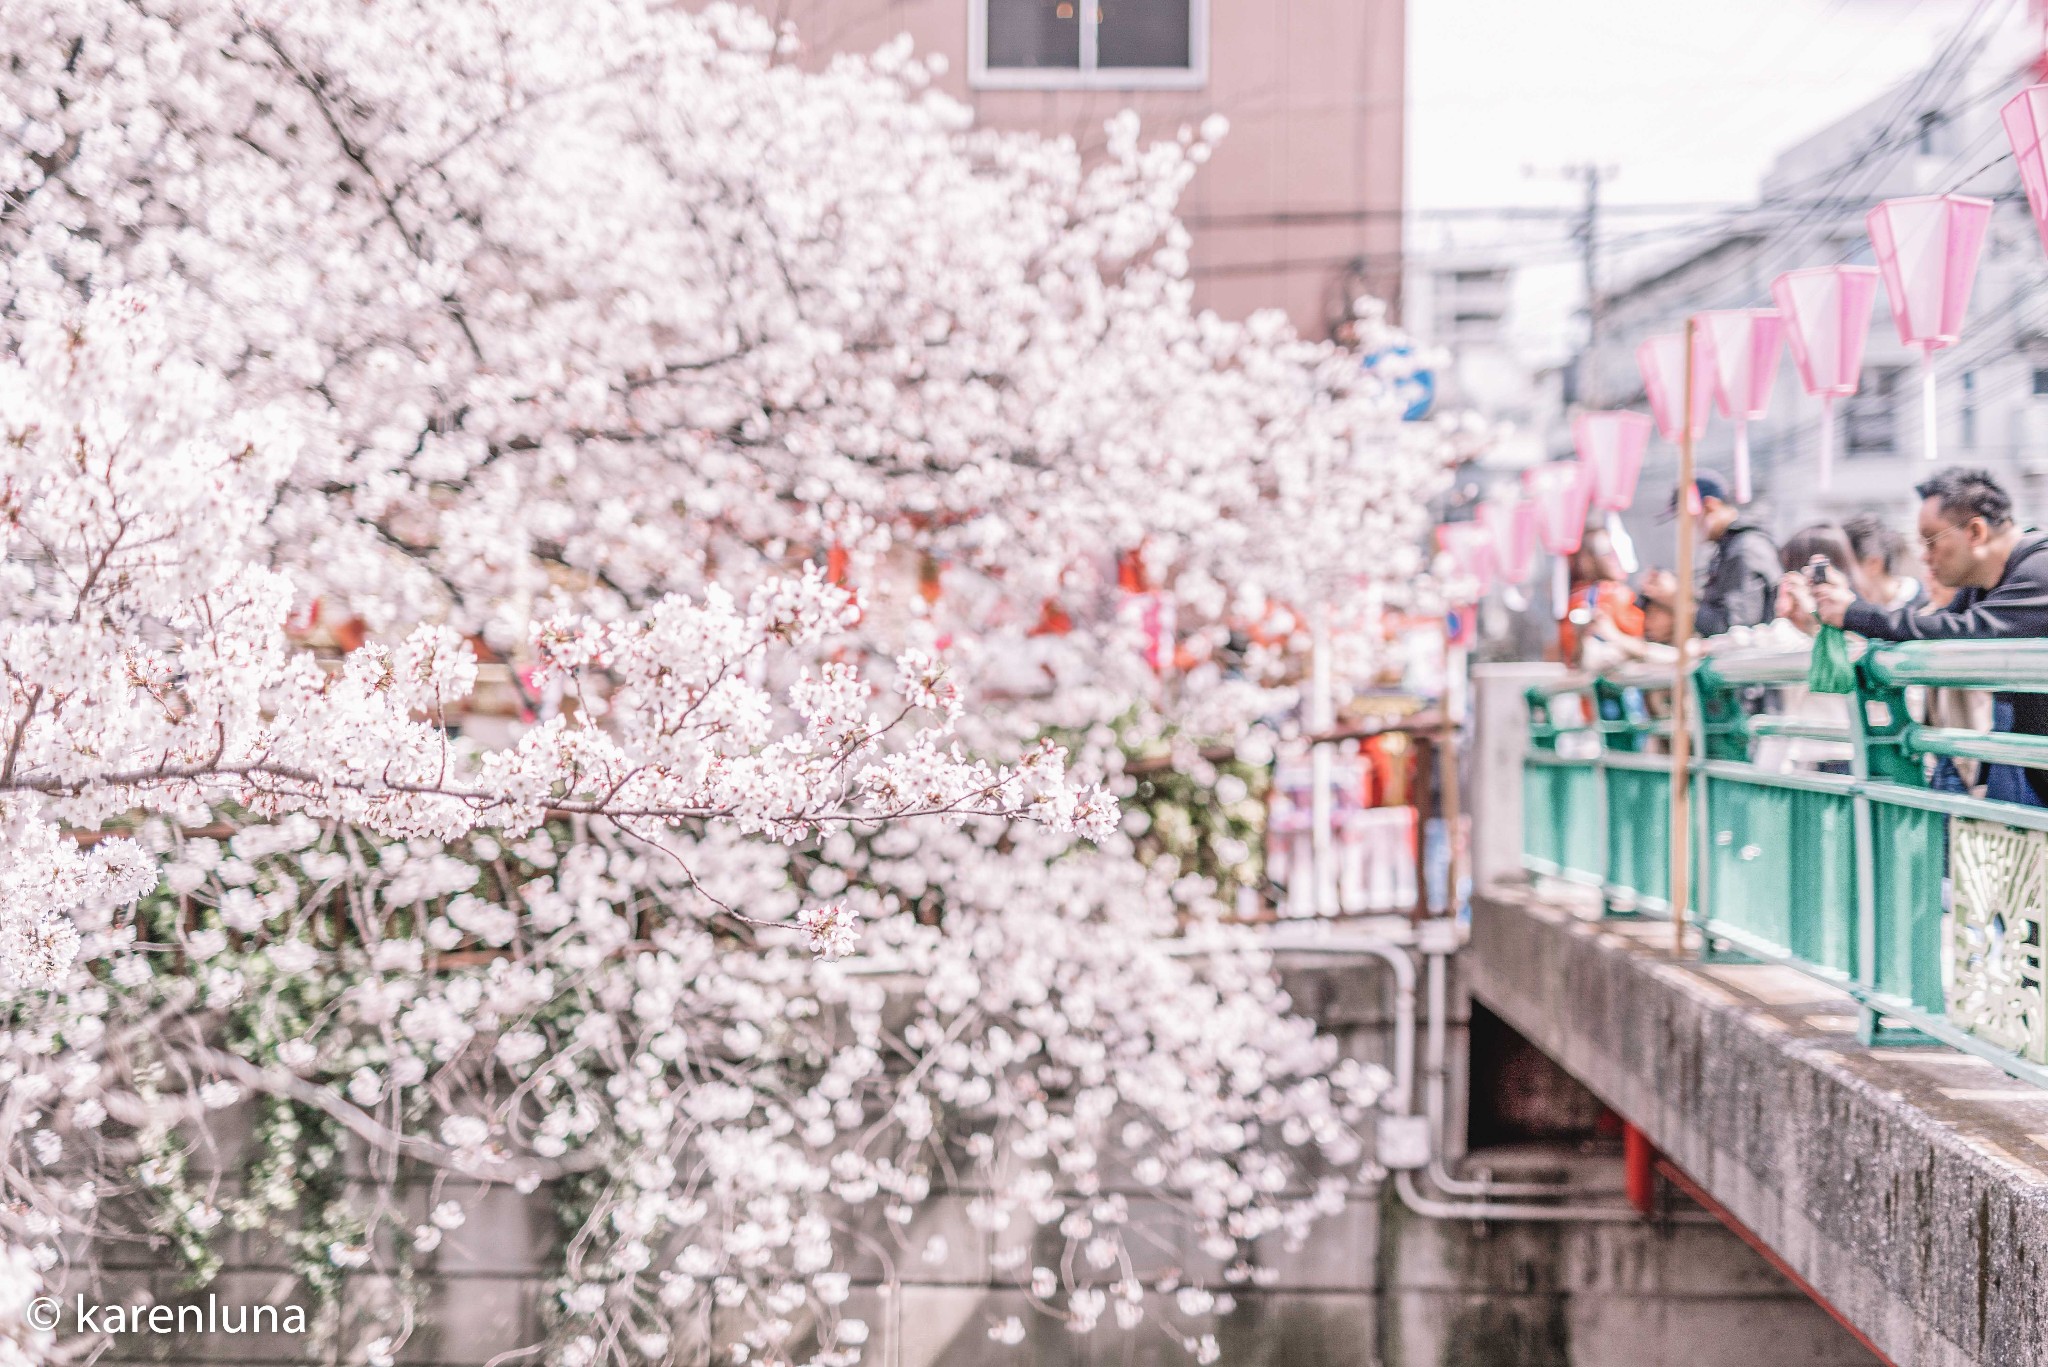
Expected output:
(1417, 387)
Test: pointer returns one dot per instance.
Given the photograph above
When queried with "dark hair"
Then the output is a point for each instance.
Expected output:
(1584, 565)
(1824, 539)
(1965, 494)
(1872, 538)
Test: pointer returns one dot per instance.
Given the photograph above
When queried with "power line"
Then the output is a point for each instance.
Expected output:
(1501, 212)
(1311, 217)
(1950, 64)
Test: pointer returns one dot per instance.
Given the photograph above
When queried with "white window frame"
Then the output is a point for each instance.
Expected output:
(1088, 76)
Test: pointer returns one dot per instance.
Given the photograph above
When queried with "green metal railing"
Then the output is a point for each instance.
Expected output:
(1929, 907)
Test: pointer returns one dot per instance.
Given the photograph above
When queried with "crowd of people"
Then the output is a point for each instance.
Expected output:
(1986, 577)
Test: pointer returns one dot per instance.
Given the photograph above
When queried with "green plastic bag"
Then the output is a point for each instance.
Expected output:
(1829, 671)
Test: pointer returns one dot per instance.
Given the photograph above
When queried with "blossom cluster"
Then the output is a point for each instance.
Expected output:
(797, 461)
(147, 664)
(730, 1128)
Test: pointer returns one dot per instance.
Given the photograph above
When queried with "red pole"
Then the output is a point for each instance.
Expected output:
(1639, 1168)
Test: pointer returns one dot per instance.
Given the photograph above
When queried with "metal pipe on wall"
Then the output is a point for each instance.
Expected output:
(1395, 955)
(1402, 1102)
(1322, 815)
(1512, 1212)
(1487, 1207)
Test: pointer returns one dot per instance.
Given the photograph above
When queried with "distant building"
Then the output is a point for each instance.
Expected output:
(1927, 137)
(1301, 207)
(1461, 300)
(1468, 304)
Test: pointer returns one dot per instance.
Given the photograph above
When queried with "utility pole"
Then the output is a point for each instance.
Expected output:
(1587, 234)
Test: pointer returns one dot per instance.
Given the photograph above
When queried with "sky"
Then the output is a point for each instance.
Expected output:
(1686, 103)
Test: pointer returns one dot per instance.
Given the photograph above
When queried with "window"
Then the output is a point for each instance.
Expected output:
(1034, 35)
(1105, 44)
(1871, 414)
(2040, 380)
(1969, 410)
(1472, 324)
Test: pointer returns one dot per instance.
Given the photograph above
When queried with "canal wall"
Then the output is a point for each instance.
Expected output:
(1375, 1286)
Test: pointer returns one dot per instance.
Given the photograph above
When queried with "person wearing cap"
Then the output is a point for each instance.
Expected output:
(1741, 586)
(1999, 569)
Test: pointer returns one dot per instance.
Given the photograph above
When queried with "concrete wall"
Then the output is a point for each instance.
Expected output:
(1500, 729)
(1374, 1287)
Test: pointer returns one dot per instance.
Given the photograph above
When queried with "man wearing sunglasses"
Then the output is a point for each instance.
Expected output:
(1999, 571)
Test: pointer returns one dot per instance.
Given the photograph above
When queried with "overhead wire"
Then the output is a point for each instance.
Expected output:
(1939, 77)
(1797, 239)
(1787, 218)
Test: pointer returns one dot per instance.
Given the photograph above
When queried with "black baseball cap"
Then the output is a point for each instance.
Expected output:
(1709, 484)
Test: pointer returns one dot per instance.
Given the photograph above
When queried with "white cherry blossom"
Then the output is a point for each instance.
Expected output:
(574, 596)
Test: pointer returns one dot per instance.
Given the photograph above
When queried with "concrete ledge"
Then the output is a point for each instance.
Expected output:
(1908, 1186)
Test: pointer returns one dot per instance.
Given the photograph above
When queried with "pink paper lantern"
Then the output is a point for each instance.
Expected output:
(1562, 491)
(1662, 360)
(1512, 527)
(1744, 345)
(1611, 446)
(2026, 125)
(1927, 247)
(1827, 320)
(1470, 548)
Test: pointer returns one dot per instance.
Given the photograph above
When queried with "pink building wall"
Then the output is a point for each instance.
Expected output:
(1301, 206)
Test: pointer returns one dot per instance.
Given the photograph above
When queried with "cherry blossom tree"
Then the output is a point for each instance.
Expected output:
(755, 421)
(147, 666)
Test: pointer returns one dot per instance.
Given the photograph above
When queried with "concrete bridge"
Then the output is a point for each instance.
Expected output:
(1906, 1187)
(1900, 1183)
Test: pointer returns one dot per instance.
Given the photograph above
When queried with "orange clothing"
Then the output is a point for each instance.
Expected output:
(1609, 603)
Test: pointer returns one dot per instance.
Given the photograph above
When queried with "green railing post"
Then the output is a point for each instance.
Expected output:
(1743, 872)
(1618, 729)
(1724, 727)
(1881, 722)
(1898, 878)
(1869, 1023)
(1704, 728)
(1542, 734)
(1635, 785)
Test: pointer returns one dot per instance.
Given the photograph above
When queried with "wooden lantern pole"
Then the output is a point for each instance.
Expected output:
(1452, 804)
(1681, 635)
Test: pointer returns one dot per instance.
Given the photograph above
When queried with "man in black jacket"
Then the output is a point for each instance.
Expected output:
(2000, 573)
(1742, 579)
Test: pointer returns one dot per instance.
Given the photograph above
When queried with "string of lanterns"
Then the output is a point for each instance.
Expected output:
(1926, 248)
